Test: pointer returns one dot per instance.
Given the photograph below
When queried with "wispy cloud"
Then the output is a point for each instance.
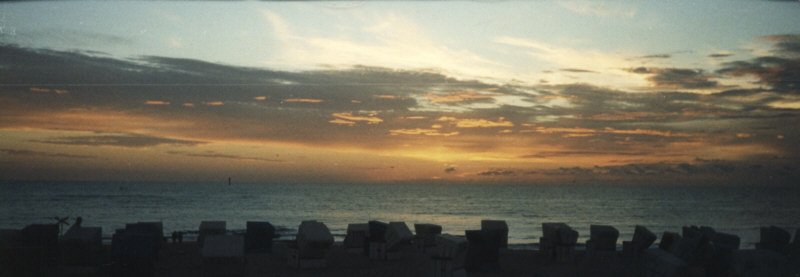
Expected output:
(577, 70)
(720, 55)
(23, 152)
(498, 172)
(156, 102)
(302, 100)
(350, 119)
(398, 42)
(425, 132)
(781, 74)
(460, 97)
(779, 38)
(696, 171)
(605, 9)
(548, 154)
(215, 155)
(120, 140)
(677, 77)
(477, 122)
(48, 90)
(583, 60)
(71, 38)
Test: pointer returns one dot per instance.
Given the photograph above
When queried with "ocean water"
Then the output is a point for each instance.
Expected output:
(182, 206)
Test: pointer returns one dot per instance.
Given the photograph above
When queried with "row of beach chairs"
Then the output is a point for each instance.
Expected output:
(37, 249)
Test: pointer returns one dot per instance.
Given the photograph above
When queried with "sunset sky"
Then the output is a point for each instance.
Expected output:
(632, 92)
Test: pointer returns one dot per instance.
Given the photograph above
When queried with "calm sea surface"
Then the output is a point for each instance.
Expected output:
(181, 206)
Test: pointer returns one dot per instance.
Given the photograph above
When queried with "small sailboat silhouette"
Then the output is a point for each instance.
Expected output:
(229, 181)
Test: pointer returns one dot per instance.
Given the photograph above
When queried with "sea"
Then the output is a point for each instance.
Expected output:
(739, 210)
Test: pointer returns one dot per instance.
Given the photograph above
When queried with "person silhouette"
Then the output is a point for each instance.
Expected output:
(76, 225)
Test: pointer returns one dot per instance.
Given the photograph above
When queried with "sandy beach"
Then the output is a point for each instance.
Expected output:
(184, 260)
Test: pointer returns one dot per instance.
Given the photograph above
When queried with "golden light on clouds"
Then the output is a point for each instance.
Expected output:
(786, 104)
(623, 115)
(340, 121)
(350, 119)
(419, 131)
(302, 100)
(583, 132)
(47, 90)
(155, 102)
(459, 96)
(476, 123)
(483, 123)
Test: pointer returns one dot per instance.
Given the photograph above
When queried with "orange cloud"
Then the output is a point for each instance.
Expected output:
(483, 123)
(645, 132)
(188, 104)
(557, 97)
(371, 119)
(47, 90)
(458, 96)
(585, 132)
(342, 122)
(546, 130)
(622, 115)
(215, 103)
(385, 96)
(260, 98)
(155, 102)
(778, 38)
(303, 100)
(418, 131)
(477, 123)
(577, 135)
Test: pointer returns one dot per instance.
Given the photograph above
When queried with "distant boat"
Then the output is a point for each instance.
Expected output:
(229, 181)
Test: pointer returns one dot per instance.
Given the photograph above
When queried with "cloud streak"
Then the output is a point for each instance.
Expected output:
(123, 140)
(30, 153)
(680, 78)
(214, 155)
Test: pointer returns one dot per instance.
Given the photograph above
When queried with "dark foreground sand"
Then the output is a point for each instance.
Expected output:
(184, 260)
